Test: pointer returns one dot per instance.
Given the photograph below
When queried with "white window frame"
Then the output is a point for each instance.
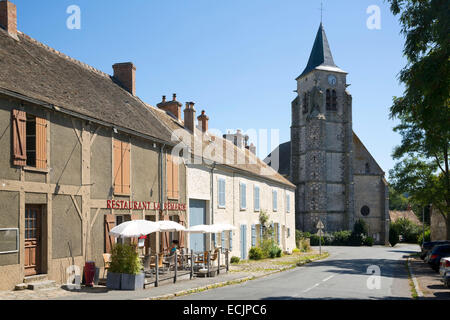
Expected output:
(254, 198)
(17, 240)
(219, 205)
(274, 200)
(242, 184)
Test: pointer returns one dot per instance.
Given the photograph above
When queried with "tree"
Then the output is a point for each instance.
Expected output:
(424, 108)
(397, 201)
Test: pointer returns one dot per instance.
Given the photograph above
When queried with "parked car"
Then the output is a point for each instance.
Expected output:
(444, 271)
(426, 247)
(435, 256)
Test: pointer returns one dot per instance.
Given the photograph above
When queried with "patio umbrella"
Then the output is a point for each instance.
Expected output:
(202, 228)
(170, 226)
(134, 229)
(220, 227)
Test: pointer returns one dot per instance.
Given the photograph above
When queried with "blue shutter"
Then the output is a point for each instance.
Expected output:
(288, 203)
(221, 193)
(253, 235)
(245, 196)
(223, 240)
(231, 241)
(278, 233)
(213, 239)
(261, 232)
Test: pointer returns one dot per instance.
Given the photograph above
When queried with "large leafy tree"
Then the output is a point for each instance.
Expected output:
(423, 110)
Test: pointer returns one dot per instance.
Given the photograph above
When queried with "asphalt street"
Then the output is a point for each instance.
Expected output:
(348, 273)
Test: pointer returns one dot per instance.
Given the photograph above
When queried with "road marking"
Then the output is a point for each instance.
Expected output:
(317, 284)
(326, 279)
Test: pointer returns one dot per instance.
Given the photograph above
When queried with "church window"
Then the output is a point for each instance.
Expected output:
(305, 103)
(365, 211)
(367, 167)
(334, 101)
(328, 99)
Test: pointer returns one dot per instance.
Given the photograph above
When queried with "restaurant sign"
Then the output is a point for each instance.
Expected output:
(141, 205)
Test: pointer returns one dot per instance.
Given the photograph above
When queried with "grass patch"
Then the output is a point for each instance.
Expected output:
(414, 293)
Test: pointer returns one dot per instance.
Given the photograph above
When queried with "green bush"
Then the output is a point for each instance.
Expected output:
(255, 253)
(274, 252)
(427, 236)
(304, 245)
(235, 259)
(409, 231)
(393, 235)
(341, 238)
(125, 259)
(295, 250)
(368, 241)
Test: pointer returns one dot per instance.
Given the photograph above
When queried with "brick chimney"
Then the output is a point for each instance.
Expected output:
(8, 17)
(251, 148)
(203, 121)
(189, 116)
(125, 73)
(174, 107)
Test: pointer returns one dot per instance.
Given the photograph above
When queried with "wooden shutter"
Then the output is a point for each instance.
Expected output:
(165, 237)
(117, 154)
(41, 143)
(169, 176)
(126, 152)
(230, 239)
(175, 180)
(19, 122)
(181, 233)
(253, 235)
(110, 222)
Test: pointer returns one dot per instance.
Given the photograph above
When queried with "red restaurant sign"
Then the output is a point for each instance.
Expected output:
(147, 205)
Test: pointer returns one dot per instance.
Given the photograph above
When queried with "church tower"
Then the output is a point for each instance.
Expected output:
(321, 143)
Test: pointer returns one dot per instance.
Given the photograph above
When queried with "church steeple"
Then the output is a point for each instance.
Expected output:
(320, 54)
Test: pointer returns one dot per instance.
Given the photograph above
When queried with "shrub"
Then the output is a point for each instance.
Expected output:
(295, 250)
(341, 238)
(393, 235)
(125, 259)
(274, 252)
(234, 259)
(368, 241)
(409, 231)
(361, 227)
(427, 236)
(255, 253)
(305, 245)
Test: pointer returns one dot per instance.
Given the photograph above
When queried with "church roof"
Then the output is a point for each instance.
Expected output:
(321, 57)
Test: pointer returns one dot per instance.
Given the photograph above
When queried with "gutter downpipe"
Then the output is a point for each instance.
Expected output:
(161, 192)
(212, 200)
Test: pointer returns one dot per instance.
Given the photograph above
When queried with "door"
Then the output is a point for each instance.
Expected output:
(197, 215)
(33, 215)
(243, 242)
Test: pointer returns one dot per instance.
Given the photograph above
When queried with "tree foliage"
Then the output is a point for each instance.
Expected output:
(424, 109)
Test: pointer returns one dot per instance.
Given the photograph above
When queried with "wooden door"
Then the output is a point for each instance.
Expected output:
(32, 239)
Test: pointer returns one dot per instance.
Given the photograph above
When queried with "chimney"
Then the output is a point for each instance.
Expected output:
(251, 148)
(189, 116)
(125, 73)
(174, 107)
(8, 17)
(203, 121)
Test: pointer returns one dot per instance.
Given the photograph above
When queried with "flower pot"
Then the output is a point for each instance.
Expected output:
(132, 281)
(113, 280)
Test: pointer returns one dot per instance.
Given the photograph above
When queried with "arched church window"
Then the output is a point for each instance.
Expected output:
(328, 99)
(305, 103)
(334, 101)
(367, 169)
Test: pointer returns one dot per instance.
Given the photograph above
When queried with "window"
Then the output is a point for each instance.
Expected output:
(365, 211)
(256, 198)
(305, 103)
(29, 140)
(121, 167)
(172, 168)
(328, 99)
(288, 203)
(243, 196)
(275, 200)
(331, 100)
(334, 101)
(221, 192)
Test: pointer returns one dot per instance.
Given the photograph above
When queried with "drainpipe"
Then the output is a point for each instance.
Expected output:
(161, 192)
(212, 199)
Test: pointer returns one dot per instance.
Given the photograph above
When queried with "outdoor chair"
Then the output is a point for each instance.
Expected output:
(214, 255)
(160, 263)
(202, 259)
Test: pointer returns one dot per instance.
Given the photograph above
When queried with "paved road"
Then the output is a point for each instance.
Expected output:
(341, 276)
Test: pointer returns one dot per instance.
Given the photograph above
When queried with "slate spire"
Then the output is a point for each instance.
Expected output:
(320, 54)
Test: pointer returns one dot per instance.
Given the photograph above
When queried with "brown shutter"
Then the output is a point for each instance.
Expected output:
(117, 154)
(126, 150)
(165, 236)
(110, 222)
(19, 122)
(169, 175)
(181, 233)
(175, 182)
(41, 143)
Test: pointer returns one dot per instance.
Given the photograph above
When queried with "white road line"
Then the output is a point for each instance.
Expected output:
(326, 279)
(311, 288)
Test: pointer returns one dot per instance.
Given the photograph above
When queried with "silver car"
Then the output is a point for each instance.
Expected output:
(444, 271)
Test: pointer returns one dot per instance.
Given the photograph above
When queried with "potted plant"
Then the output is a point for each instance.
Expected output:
(125, 271)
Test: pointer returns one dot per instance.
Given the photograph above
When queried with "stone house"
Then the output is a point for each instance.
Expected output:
(81, 153)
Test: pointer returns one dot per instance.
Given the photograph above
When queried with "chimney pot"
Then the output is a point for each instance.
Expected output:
(163, 98)
(203, 121)
(125, 73)
(174, 97)
(8, 18)
(189, 116)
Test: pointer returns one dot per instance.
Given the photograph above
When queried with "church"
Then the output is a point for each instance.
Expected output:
(337, 179)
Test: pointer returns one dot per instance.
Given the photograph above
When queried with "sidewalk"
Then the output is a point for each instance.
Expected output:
(242, 272)
(428, 280)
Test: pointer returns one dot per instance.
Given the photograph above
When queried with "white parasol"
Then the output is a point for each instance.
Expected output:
(134, 229)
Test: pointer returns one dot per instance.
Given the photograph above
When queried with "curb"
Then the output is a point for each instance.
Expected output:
(230, 282)
(414, 279)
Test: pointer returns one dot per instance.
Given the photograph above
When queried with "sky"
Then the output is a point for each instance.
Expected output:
(236, 59)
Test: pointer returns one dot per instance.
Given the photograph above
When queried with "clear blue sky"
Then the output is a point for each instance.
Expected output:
(237, 59)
